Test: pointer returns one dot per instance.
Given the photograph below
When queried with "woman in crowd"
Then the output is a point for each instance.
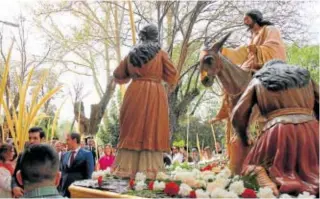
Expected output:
(207, 155)
(106, 160)
(6, 170)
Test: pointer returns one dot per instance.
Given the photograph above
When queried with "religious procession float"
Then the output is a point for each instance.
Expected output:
(203, 180)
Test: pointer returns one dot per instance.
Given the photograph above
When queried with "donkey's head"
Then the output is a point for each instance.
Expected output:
(210, 62)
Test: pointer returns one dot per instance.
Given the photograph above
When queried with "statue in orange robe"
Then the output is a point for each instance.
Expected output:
(144, 115)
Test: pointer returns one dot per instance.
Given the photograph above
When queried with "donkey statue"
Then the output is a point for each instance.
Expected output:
(234, 81)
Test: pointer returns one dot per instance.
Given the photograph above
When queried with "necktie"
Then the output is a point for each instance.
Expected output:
(72, 157)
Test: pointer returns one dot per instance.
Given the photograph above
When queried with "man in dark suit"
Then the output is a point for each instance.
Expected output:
(91, 147)
(77, 164)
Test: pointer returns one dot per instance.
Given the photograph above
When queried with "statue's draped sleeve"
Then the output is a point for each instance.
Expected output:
(170, 74)
(236, 55)
(121, 74)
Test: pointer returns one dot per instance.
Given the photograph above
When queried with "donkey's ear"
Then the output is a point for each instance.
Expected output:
(217, 46)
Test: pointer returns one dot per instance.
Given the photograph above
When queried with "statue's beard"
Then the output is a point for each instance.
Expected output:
(250, 26)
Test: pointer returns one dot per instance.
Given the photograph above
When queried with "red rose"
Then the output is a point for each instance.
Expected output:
(131, 183)
(100, 181)
(192, 194)
(207, 168)
(171, 189)
(249, 193)
(150, 186)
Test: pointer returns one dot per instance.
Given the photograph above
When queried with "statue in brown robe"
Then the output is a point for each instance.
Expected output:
(288, 148)
(144, 115)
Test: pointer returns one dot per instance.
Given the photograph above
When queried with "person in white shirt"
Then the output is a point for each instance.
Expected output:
(58, 147)
(176, 155)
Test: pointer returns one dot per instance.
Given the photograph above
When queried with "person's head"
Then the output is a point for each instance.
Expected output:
(36, 135)
(175, 149)
(149, 32)
(195, 151)
(73, 140)
(64, 147)
(82, 144)
(208, 152)
(39, 167)
(6, 152)
(58, 146)
(218, 147)
(254, 18)
(91, 142)
(53, 142)
(108, 149)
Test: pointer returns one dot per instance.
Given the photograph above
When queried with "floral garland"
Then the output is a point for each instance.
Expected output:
(203, 183)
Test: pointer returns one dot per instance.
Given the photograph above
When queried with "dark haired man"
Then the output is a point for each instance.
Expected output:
(77, 163)
(36, 136)
(39, 172)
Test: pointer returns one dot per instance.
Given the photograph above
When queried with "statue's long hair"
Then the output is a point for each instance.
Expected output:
(147, 48)
(276, 75)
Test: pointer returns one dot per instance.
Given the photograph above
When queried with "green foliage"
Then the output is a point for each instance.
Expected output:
(179, 143)
(250, 182)
(203, 130)
(307, 57)
(183, 165)
(109, 131)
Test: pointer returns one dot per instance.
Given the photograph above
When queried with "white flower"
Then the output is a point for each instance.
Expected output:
(231, 194)
(285, 196)
(221, 182)
(184, 189)
(140, 186)
(211, 186)
(95, 175)
(202, 194)
(207, 176)
(237, 187)
(159, 186)
(162, 176)
(222, 193)
(306, 195)
(107, 171)
(140, 177)
(225, 173)
(236, 178)
(265, 192)
(184, 176)
(196, 172)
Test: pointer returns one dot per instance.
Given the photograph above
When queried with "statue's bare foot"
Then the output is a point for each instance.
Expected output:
(263, 178)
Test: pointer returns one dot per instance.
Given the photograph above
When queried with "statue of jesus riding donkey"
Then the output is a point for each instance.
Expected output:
(285, 157)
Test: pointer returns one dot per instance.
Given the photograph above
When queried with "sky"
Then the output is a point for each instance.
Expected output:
(9, 10)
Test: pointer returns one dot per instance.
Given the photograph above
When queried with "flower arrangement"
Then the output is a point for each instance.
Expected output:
(205, 184)
(196, 183)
